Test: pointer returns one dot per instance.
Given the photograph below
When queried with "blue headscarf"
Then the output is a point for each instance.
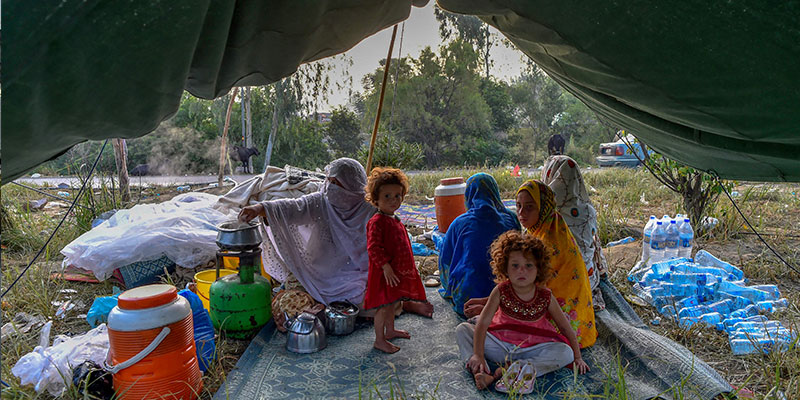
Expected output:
(464, 259)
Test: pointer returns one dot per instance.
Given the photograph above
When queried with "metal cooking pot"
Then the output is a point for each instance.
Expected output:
(340, 317)
(305, 334)
(238, 236)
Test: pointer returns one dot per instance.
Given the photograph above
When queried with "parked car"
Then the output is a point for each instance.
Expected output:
(618, 154)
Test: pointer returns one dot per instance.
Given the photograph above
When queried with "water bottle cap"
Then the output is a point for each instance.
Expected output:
(652, 217)
(672, 221)
(686, 220)
(659, 222)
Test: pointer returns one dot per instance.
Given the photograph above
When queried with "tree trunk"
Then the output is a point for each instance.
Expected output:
(223, 144)
(274, 130)
(121, 159)
(249, 130)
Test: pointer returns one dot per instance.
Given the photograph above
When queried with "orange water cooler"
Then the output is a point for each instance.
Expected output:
(152, 353)
(449, 201)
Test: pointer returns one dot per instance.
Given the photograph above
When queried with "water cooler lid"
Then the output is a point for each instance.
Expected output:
(451, 181)
(148, 296)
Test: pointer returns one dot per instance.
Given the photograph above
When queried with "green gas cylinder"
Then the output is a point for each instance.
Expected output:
(241, 303)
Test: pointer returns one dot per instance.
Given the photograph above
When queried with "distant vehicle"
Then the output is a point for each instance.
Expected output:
(617, 154)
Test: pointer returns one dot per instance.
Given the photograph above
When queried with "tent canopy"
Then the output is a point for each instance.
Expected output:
(713, 85)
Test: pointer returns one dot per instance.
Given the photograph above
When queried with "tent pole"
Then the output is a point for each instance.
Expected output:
(380, 101)
(121, 159)
(223, 143)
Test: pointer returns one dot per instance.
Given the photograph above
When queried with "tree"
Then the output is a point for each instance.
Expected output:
(469, 29)
(439, 104)
(537, 101)
(344, 133)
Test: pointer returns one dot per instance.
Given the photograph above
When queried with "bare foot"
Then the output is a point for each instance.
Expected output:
(482, 381)
(385, 347)
(397, 333)
(417, 307)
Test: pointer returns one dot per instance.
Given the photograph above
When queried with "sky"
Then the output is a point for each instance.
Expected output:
(421, 30)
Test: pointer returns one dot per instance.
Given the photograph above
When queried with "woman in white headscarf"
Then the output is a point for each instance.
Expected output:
(321, 237)
(563, 176)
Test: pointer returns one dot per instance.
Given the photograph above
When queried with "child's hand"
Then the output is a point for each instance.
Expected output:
(581, 365)
(477, 364)
(388, 274)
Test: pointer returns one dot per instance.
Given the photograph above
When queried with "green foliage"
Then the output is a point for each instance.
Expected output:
(699, 190)
(344, 133)
(390, 151)
(538, 101)
(497, 96)
(301, 144)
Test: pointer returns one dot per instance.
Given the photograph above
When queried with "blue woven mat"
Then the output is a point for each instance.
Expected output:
(428, 366)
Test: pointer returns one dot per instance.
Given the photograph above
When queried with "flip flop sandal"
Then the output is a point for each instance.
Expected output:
(509, 378)
(432, 281)
(526, 379)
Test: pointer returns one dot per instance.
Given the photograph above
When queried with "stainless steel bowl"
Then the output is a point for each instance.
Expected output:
(305, 334)
(340, 317)
(238, 236)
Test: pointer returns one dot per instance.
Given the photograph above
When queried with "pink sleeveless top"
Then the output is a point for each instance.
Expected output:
(524, 323)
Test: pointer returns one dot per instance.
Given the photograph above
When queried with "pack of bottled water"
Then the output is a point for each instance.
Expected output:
(707, 291)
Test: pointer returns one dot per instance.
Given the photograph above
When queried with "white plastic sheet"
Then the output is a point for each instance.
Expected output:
(50, 368)
(183, 229)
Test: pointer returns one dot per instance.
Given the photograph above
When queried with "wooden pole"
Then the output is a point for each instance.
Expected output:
(121, 159)
(223, 144)
(380, 102)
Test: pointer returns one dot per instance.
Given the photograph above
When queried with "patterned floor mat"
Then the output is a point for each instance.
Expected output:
(427, 365)
(424, 215)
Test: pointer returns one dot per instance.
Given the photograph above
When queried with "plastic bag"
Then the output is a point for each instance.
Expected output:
(101, 306)
(438, 239)
(203, 330)
(183, 229)
(50, 368)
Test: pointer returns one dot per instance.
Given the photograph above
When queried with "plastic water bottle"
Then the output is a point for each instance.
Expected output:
(771, 306)
(690, 301)
(686, 235)
(203, 330)
(754, 295)
(646, 234)
(744, 346)
(723, 307)
(748, 311)
(668, 310)
(642, 292)
(695, 268)
(695, 311)
(621, 241)
(673, 239)
(729, 323)
(661, 268)
(657, 243)
(771, 289)
(705, 258)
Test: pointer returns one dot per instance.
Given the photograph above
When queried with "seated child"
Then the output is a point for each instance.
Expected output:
(392, 275)
(517, 317)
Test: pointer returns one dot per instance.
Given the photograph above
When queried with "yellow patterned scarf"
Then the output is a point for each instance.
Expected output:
(570, 282)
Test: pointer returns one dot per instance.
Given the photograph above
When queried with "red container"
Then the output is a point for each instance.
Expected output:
(449, 201)
(152, 345)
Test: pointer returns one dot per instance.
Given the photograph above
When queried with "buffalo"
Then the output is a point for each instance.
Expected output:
(139, 170)
(243, 154)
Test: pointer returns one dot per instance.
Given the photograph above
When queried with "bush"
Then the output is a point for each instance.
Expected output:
(390, 151)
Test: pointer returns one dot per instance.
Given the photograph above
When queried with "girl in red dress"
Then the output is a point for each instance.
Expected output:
(392, 273)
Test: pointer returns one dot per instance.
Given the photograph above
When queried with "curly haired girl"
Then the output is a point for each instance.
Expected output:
(515, 324)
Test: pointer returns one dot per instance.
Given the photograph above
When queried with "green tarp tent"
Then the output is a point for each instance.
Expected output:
(715, 85)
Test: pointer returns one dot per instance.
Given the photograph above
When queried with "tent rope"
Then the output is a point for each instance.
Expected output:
(749, 225)
(71, 206)
(380, 101)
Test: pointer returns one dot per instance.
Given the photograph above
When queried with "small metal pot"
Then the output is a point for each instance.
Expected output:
(238, 236)
(305, 334)
(340, 317)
